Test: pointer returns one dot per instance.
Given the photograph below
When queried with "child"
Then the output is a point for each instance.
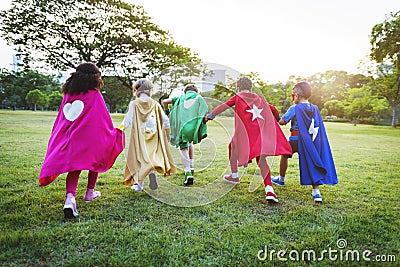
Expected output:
(83, 137)
(148, 149)
(308, 138)
(257, 134)
(187, 126)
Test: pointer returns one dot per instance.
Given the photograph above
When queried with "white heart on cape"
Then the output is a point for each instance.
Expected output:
(72, 111)
(188, 103)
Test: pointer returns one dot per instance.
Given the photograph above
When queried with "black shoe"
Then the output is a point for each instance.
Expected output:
(153, 181)
(188, 179)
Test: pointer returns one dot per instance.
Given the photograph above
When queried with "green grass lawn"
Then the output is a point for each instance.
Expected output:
(124, 228)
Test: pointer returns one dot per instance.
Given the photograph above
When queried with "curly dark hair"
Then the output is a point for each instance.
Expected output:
(86, 77)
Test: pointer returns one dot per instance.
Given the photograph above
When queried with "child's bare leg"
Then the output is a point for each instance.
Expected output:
(191, 151)
(283, 166)
(233, 178)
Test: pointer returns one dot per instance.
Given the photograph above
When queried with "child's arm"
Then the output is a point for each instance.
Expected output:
(288, 115)
(167, 125)
(221, 108)
(165, 104)
(127, 121)
(275, 112)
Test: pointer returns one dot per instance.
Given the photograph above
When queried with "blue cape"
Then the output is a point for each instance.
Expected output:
(315, 156)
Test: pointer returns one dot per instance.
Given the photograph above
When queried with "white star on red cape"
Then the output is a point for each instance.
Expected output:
(256, 112)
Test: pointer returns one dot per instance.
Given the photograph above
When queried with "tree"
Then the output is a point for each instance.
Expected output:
(36, 97)
(221, 92)
(119, 37)
(385, 41)
(15, 85)
(334, 107)
(54, 100)
(359, 103)
(116, 96)
(169, 79)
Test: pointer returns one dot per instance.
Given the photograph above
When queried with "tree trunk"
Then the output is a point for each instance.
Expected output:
(34, 107)
(395, 109)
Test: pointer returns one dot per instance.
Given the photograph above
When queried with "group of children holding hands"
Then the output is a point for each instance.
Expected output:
(84, 138)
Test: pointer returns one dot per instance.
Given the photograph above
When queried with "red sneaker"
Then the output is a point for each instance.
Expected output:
(271, 197)
(230, 179)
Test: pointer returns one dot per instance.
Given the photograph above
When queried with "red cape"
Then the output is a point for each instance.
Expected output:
(256, 130)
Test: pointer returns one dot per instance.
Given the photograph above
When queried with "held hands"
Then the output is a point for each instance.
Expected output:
(208, 117)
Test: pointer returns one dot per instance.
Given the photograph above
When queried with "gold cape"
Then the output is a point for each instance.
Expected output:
(148, 147)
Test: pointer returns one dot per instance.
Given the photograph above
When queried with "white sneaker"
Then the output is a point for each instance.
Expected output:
(69, 208)
(137, 188)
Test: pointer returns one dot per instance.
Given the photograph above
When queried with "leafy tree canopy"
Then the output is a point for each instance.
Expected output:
(119, 37)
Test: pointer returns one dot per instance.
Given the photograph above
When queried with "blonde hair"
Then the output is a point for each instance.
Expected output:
(143, 86)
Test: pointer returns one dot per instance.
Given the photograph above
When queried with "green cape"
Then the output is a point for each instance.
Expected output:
(186, 119)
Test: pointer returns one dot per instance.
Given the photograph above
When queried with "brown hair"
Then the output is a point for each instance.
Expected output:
(303, 89)
(190, 87)
(87, 76)
(244, 83)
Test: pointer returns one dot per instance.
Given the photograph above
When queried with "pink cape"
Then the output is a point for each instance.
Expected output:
(83, 138)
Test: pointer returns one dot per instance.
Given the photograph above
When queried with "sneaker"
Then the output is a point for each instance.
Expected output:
(70, 211)
(91, 194)
(153, 181)
(271, 197)
(188, 179)
(317, 198)
(276, 181)
(137, 188)
(230, 179)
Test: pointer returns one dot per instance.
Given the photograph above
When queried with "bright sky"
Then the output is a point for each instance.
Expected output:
(274, 38)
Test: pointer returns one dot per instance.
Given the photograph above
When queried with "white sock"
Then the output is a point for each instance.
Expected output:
(269, 188)
(315, 192)
(191, 162)
(281, 178)
(235, 175)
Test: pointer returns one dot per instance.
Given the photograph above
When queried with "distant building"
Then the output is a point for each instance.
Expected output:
(17, 63)
(219, 74)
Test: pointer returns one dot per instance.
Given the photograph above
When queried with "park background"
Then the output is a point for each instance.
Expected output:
(126, 229)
